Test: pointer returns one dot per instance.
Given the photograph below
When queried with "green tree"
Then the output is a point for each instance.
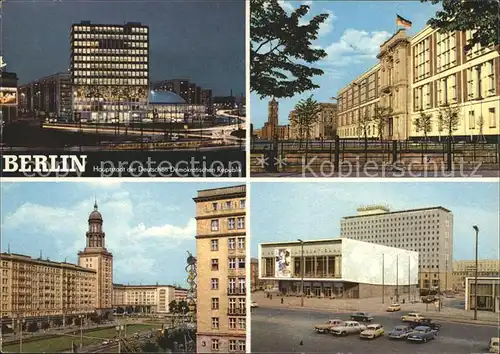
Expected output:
(480, 16)
(149, 347)
(423, 123)
(449, 119)
(306, 115)
(363, 123)
(281, 49)
(381, 119)
(173, 306)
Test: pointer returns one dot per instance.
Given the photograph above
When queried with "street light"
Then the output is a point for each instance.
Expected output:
(21, 323)
(81, 330)
(302, 266)
(475, 275)
(119, 330)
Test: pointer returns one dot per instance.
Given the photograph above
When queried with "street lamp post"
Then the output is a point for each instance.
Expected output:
(21, 325)
(81, 330)
(302, 266)
(475, 274)
(119, 329)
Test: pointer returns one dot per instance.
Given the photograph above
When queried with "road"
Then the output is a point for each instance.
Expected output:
(292, 326)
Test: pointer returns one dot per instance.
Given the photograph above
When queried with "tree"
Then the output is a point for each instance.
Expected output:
(364, 123)
(449, 119)
(423, 123)
(480, 16)
(45, 325)
(381, 119)
(279, 44)
(306, 115)
(173, 306)
(149, 347)
(480, 123)
(33, 327)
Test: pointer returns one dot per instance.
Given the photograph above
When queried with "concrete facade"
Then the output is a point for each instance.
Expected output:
(466, 268)
(488, 293)
(421, 74)
(148, 298)
(221, 262)
(428, 231)
(338, 267)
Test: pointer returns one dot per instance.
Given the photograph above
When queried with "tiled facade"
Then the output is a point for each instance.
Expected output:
(221, 250)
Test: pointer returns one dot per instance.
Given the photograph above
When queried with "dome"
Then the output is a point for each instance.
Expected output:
(95, 215)
(165, 97)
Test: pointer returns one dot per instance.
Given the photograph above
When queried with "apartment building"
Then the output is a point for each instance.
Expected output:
(144, 298)
(428, 231)
(34, 288)
(180, 294)
(421, 74)
(467, 268)
(221, 263)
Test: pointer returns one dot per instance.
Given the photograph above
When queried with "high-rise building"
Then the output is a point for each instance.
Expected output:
(109, 70)
(95, 256)
(428, 231)
(424, 74)
(221, 287)
(206, 100)
(467, 268)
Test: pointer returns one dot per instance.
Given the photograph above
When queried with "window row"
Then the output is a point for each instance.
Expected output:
(232, 242)
(234, 283)
(100, 81)
(97, 51)
(102, 73)
(232, 224)
(110, 66)
(116, 59)
(233, 263)
(227, 205)
(233, 345)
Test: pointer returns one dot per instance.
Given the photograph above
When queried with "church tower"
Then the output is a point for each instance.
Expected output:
(95, 256)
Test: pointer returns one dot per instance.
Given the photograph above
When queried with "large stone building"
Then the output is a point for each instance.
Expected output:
(271, 129)
(423, 73)
(325, 127)
(146, 298)
(221, 287)
(339, 268)
(467, 268)
(95, 256)
(428, 231)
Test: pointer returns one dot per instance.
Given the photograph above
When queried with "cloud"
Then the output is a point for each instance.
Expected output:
(355, 47)
(286, 5)
(105, 183)
(327, 26)
(6, 187)
(169, 232)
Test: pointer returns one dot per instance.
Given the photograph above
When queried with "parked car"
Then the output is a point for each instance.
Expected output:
(412, 317)
(427, 322)
(372, 331)
(361, 317)
(429, 299)
(253, 304)
(494, 345)
(328, 325)
(105, 342)
(394, 308)
(349, 327)
(421, 334)
(400, 332)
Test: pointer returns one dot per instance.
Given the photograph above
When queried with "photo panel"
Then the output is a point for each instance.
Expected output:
(374, 89)
(123, 88)
(114, 267)
(374, 267)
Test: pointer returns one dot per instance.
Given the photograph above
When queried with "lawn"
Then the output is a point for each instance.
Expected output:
(63, 343)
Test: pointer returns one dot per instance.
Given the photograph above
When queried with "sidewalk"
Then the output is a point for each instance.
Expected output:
(375, 306)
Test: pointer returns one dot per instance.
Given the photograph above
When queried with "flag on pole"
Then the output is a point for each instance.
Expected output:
(400, 21)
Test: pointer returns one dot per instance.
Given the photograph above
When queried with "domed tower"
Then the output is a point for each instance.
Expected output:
(95, 256)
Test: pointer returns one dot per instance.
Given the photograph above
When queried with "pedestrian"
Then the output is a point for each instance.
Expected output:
(271, 296)
(282, 301)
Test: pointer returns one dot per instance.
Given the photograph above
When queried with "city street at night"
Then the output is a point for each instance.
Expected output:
(293, 326)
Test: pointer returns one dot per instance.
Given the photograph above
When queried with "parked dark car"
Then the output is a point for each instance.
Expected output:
(400, 332)
(421, 334)
(361, 317)
(427, 322)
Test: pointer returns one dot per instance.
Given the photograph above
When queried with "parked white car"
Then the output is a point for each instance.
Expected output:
(349, 327)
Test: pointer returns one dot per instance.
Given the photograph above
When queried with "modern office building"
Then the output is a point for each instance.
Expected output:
(221, 287)
(488, 293)
(48, 97)
(339, 268)
(95, 256)
(428, 231)
(36, 289)
(109, 70)
(424, 74)
(144, 298)
(467, 268)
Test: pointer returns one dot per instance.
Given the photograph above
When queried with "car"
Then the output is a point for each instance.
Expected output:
(328, 325)
(361, 317)
(349, 327)
(494, 345)
(105, 342)
(394, 308)
(400, 332)
(253, 304)
(427, 322)
(421, 334)
(412, 317)
(372, 331)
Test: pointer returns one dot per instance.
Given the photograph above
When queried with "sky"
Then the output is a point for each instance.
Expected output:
(149, 226)
(288, 211)
(351, 36)
(202, 40)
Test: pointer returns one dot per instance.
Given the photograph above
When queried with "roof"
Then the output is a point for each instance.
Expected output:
(397, 212)
(165, 97)
(338, 239)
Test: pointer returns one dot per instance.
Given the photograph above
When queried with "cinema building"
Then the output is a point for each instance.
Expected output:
(338, 268)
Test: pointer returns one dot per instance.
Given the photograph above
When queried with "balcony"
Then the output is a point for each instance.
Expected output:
(236, 291)
(236, 311)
